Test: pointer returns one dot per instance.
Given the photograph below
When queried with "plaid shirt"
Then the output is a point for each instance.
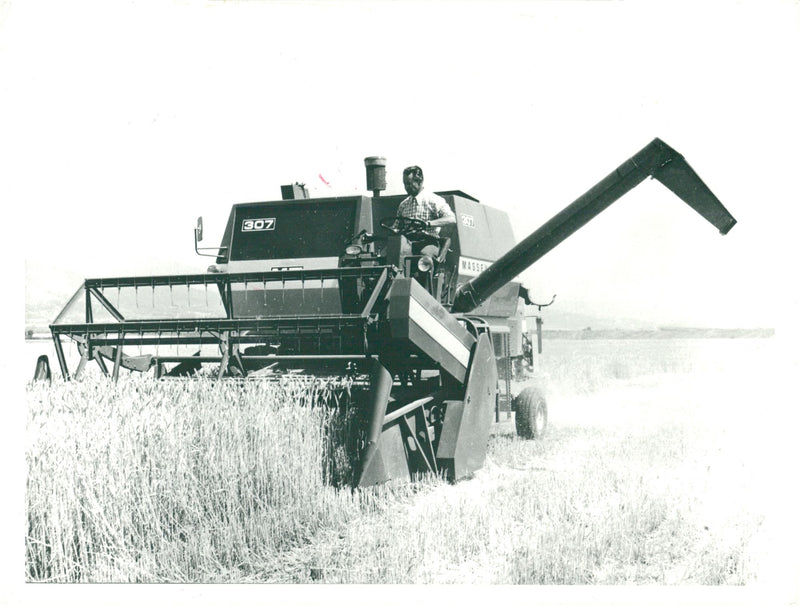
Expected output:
(426, 207)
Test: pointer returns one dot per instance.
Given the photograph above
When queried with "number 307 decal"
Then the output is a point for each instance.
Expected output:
(258, 224)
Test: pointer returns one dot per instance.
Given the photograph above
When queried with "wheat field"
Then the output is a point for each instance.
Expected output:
(653, 472)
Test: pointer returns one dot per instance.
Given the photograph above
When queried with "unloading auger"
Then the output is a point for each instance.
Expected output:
(305, 284)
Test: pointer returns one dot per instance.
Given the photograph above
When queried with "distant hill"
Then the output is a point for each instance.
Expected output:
(558, 319)
(662, 333)
(561, 324)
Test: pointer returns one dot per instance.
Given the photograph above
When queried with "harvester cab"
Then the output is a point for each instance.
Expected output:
(333, 285)
(395, 248)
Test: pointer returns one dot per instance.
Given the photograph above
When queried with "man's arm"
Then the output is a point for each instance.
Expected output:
(442, 221)
(446, 216)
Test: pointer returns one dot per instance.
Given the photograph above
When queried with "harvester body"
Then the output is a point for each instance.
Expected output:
(301, 235)
(317, 285)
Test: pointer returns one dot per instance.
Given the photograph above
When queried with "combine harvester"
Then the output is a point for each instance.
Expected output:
(307, 285)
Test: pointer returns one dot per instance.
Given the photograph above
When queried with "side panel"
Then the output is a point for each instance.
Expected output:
(484, 234)
(416, 317)
(288, 235)
(293, 228)
(501, 304)
(465, 431)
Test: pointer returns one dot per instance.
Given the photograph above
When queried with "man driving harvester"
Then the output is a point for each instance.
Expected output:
(427, 207)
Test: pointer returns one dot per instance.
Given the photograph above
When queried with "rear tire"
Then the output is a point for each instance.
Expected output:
(531, 414)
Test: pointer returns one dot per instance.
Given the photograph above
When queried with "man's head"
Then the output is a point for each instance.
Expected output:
(412, 180)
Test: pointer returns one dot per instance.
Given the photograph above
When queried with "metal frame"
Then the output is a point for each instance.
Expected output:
(329, 337)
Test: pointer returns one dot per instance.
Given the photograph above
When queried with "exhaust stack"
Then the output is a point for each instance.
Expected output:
(657, 160)
(376, 174)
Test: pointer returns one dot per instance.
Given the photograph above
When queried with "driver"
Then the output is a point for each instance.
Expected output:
(425, 206)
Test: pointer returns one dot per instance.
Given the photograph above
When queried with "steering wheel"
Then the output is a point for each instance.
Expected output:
(403, 225)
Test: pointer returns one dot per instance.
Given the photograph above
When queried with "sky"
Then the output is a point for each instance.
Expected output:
(124, 121)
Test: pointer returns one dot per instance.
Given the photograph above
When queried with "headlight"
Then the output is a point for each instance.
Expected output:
(425, 263)
(355, 249)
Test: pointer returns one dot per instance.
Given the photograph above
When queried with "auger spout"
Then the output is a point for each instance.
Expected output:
(657, 160)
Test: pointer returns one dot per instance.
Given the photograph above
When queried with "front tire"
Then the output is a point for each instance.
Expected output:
(531, 414)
